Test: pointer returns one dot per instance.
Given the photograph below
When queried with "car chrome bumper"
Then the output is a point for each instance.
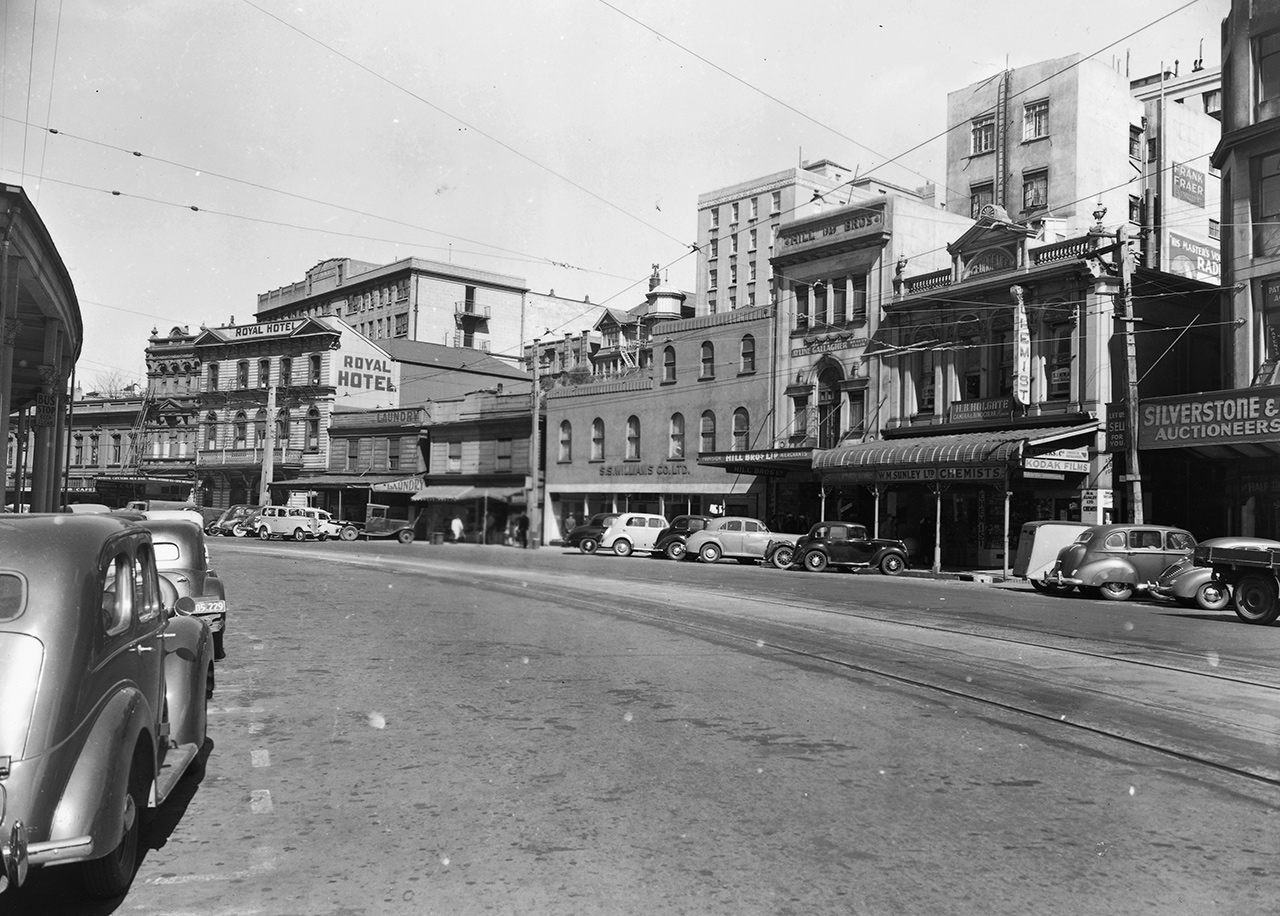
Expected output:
(17, 855)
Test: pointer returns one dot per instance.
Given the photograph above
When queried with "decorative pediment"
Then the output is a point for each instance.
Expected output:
(990, 260)
(993, 229)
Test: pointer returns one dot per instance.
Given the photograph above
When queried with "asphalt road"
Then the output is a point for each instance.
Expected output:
(457, 729)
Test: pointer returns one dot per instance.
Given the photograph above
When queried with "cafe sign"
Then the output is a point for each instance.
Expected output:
(1214, 418)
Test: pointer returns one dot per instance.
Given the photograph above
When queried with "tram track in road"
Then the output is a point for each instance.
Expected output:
(1218, 720)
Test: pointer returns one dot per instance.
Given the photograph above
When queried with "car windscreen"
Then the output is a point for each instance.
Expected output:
(13, 596)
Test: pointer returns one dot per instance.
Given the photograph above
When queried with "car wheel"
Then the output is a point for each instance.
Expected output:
(299, 534)
(405, 536)
(709, 553)
(783, 556)
(1213, 595)
(815, 561)
(1116, 591)
(322, 536)
(892, 564)
(1255, 599)
(264, 533)
(588, 545)
(348, 533)
(675, 550)
(622, 547)
(111, 875)
(239, 531)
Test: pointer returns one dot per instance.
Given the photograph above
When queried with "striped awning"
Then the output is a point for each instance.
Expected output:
(988, 448)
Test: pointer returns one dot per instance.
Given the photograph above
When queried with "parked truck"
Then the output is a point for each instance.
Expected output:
(1253, 574)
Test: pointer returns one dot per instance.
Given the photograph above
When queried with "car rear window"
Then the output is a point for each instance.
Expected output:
(166, 552)
(697, 524)
(13, 596)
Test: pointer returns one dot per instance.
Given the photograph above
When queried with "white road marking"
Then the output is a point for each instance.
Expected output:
(260, 758)
(260, 801)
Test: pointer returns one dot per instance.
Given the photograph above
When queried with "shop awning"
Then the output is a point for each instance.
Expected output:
(442, 493)
(979, 449)
(456, 493)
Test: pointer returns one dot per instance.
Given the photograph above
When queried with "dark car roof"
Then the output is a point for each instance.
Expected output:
(30, 542)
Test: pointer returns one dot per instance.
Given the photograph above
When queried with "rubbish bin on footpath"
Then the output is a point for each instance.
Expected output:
(437, 537)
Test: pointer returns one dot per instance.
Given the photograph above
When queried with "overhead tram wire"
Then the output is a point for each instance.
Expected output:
(488, 136)
(48, 110)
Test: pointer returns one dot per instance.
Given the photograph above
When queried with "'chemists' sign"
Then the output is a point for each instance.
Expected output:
(1215, 418)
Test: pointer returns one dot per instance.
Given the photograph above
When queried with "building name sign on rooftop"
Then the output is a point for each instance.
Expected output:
(865, 223)
(270, 329)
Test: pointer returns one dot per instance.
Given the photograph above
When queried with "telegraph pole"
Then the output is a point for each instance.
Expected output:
(1133, 468)
(269, 447)
(534, 534)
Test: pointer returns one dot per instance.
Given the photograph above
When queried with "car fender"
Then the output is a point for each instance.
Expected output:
(1108, 570)
(188, 655)
(886, 551)
(92, 802)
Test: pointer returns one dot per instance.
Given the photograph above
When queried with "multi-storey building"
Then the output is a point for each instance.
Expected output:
(736, 227)
(993, 379)
(1052, 141)
(478, 466)
(416, 299)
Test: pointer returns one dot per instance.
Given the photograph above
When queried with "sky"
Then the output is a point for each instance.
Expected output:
(210, 151)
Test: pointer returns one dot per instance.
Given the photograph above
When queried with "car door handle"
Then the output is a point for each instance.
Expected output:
(141, 649)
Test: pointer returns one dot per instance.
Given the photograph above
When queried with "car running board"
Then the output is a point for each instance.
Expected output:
(176, 761)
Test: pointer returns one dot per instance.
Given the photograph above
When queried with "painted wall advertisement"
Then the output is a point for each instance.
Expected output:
(364, 375)
(1197, 260)
(1216, 418)
(1188, 184)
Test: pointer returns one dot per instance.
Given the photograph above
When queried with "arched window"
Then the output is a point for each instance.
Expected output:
(676, 447)
(633, 438)
(242, 374)
(566, 442)
(707, 432)
(241, 429)
(282, 428)
(313, 429)
(747, 360)
(259, 428)
(213, 376)
(708, 360)
(314, 373)
(264, 373)
(211, 431)
(741, 430)
(597, 439)
(669, 364)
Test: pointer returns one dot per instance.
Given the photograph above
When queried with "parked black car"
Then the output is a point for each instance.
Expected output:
(671, 540)
(586, 537)
(845, 544)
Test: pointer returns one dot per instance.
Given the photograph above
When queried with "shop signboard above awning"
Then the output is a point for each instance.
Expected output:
(335, 482)
(1238, 423)
(972, 457)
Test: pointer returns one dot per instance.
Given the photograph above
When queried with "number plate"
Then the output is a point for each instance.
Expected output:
(211, 607)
